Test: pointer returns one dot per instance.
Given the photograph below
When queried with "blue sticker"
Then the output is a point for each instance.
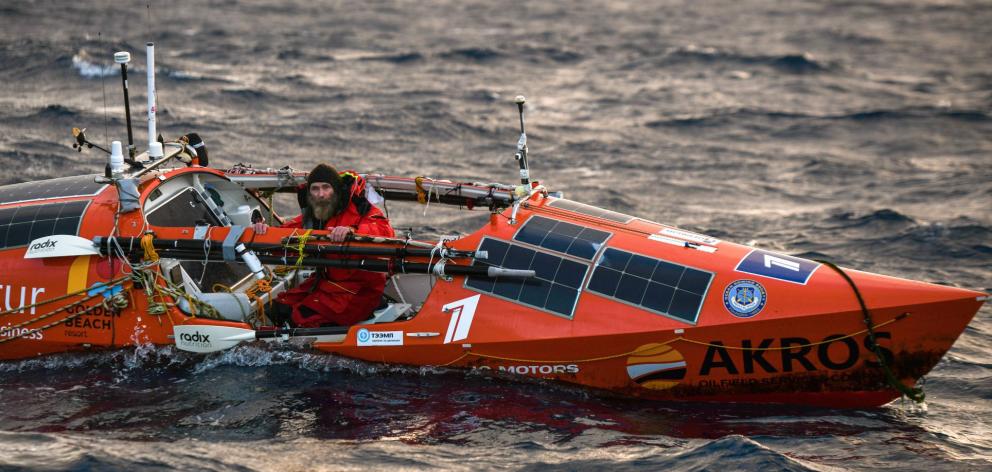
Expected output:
(101, 288)
(777, 266)
(363, 335)
(744, 298)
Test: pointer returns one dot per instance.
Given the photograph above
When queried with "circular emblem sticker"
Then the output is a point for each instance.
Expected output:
(744, 298)
(363, 335)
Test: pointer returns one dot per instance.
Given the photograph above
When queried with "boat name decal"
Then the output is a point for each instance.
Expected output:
(379, 338)
(777, 266)
(462, 313)
(744, 298)
(753, 357)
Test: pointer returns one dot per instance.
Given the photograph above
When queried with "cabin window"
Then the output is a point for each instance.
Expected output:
(23, 224)
(186, 208)
(555, 288)
(653, 284)
(591, 210)
(559, 236)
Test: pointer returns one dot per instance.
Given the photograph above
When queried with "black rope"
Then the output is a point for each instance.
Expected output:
(913, 393)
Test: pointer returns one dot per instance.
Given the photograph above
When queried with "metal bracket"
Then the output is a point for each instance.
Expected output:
(231, 241)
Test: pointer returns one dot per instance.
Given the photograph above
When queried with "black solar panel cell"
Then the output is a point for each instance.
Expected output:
(561, 299)
(668, 273)
(66, 226)
(615, 259)
(570, 273)
(641, 266)
(546, 265)
(695, 281)
(18, 234)
(605, 281)
(658, 297)
(685, 305)
(42, 228)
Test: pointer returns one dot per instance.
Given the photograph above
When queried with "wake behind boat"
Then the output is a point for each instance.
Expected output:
(159, 250)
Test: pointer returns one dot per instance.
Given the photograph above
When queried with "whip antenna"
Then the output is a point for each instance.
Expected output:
(154, 147)
(521, 155)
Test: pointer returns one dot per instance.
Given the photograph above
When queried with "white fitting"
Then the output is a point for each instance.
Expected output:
(122, 57)
(155, 150)
(116, 159)
(152, 135)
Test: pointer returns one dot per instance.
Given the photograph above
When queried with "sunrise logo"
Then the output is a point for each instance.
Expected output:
(656, 366)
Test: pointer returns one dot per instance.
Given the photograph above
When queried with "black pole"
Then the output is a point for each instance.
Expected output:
(127, 113)
(521, 155)
(122, 58)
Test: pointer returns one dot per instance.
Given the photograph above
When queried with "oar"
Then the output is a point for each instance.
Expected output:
(60, 245)
(213, 338)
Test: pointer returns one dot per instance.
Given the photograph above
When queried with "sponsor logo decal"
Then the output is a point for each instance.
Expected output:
(47, 245)
(6, 331)
(744, 298)
(835, 352)
(656, 366)
(462, 314)
(689, 236)
(777, 266)
(20, 294)
(196, 339)
(379, 338)
(542, 369)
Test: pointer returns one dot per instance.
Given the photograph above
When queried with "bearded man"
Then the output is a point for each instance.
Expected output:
(333, 296)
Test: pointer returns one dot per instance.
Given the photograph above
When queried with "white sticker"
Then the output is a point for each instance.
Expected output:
(379, 338)
(462, 314)
(681, 243)
(689, 236)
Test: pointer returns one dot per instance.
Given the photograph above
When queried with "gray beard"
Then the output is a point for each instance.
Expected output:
(322, 211)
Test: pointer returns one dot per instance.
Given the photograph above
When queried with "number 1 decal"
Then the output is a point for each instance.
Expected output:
(462, 313)
(771, 260)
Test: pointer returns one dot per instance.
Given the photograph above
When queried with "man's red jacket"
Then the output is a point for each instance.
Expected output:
(341, 296)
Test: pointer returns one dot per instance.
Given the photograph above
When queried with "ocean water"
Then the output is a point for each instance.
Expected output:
(855, 131)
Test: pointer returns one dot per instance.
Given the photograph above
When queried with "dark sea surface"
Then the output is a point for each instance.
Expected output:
(859, 132)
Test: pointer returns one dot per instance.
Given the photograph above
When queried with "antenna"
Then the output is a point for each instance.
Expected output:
(122, 58)
(154, 147)
(521, 155)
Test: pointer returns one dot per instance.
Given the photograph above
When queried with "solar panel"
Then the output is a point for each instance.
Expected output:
(23, 224)
(64, 187)
(555, 289)
(653, 284)
(591, 210)
(566, 238)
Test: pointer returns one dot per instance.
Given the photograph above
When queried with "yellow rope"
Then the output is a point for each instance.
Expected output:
(642, 350)
(421, 193)
(300, 245)
(147, 243)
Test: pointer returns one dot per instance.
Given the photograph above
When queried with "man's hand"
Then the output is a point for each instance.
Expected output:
(340, 233)
(260, 227)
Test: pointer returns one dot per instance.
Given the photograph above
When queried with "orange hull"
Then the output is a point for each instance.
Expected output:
(631, 306)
